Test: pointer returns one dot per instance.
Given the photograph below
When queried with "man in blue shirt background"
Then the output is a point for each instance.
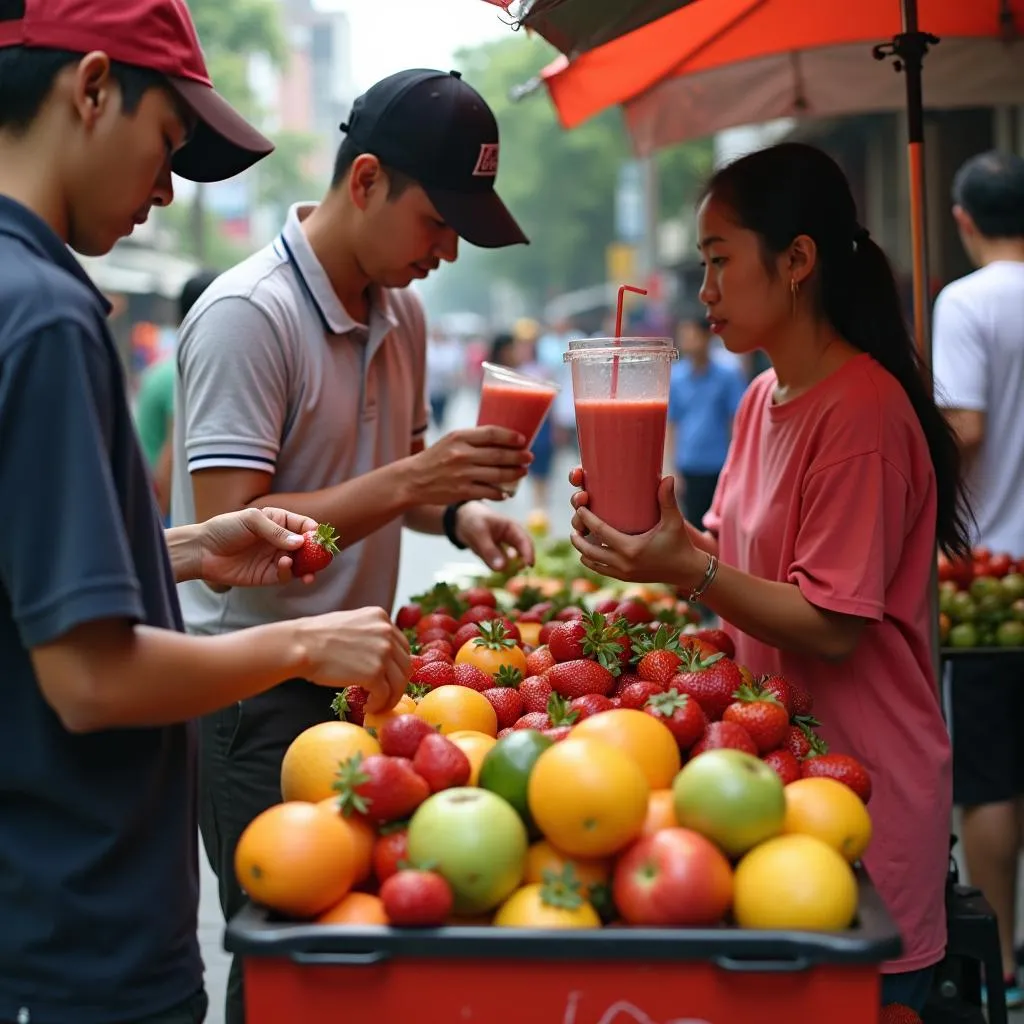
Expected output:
(705, 392)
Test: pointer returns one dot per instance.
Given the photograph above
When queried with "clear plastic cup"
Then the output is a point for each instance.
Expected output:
(620, 390)
(516, 401)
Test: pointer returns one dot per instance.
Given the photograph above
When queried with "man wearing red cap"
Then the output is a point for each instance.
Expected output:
(302, 381)
(99, 101)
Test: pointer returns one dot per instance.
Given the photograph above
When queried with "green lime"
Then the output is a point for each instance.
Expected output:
(962, 635)
(1012, 587)
(982, 586)
(506, 767)
(962, 607)
(1010, 634)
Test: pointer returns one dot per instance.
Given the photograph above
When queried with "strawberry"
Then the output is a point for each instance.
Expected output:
(798, 741)
(711, 681)
(719, 639)
(569, 613)
(435, 635)
(801, 702)
(476, 596)
(624, 680)
(557, 732)
(659, 655)
(841, 767)
(380, 787)
(637, 694)
(507, 704)
(786, 766)
(764, 718)
(401, 736)
(391, 851)
(729, 735)
(616, 702)
(441, 598)
(464, 634)
(566, 640)
(441, 763)
(350, 704)
(683, 716)
(416, 662)
(417, 899)
(590, 704)
(634, 611)
(437, 620)
(477, 613)
(579, 677)
(436, 654)
(408, 615)
(899, 1013)
(535, 691)
(545, 631)
(606, 606)
(556, 714)
(434, 674)
(318, 549)
(502, 733)
(778, 688)
(472, 677)
(539, 661)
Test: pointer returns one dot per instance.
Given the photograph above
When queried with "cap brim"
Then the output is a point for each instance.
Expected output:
(223, 143)
(481, 218)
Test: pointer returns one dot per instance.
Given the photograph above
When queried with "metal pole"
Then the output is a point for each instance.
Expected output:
(909, 49)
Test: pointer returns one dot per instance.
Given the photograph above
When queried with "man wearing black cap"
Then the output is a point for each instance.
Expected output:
(99, 101)
(302, 382)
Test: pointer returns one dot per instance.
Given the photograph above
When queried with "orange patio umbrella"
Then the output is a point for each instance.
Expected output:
(715, 64)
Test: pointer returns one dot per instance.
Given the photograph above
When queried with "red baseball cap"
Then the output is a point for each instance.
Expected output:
(157, 35)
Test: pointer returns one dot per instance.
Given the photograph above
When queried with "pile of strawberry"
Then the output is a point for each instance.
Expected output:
(581, 663)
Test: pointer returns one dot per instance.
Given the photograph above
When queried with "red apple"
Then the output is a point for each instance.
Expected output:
(674, 878)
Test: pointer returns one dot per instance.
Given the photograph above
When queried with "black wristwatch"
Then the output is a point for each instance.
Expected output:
(448, 521)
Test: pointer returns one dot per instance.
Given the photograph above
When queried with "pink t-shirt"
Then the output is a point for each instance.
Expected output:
(834, 491)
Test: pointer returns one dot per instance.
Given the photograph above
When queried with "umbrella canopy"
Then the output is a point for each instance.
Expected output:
(575, 26)
(716, 65)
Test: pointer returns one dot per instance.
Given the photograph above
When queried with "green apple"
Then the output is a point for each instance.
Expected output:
(732, 798)
(475, 840)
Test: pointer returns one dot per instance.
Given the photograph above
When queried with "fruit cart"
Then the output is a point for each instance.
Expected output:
(319, 974)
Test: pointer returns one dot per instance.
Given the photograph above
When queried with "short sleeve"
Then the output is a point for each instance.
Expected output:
(851, 535)
(64, 556)
(233, 366)
(959, 355)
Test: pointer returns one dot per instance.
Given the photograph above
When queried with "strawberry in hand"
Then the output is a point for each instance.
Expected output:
(317, 552)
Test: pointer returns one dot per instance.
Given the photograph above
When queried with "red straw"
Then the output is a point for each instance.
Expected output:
(618, 329)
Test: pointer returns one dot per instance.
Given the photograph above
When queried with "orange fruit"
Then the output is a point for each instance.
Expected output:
(529, 632)
(794, 883)
(355, 908)
(375, 719)
(831, 812)
(311, 762)
(475, 746)
(489, 660)
(458, 708)
(542, 857)
(363, 837)
(296, 858)
(527, 908)
(661, 812)
(588, 798)
(641, 737)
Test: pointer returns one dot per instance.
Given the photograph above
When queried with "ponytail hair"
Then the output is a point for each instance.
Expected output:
(793, 189)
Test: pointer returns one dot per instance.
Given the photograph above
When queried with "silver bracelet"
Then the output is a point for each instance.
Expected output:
(709, 577)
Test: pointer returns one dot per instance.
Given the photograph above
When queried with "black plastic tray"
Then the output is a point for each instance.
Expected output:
(969, 653)
(874, 939)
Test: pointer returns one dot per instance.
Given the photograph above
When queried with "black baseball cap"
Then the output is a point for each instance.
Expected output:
(439, 131)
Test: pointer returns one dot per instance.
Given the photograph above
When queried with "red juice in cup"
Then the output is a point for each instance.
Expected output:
(620, 391)
(516, 401)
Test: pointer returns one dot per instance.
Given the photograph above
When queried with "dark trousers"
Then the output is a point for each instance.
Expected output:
(698, 492)
(241, 749)
(191, 1011)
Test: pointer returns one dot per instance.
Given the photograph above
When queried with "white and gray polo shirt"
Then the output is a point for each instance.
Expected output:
(273, 374)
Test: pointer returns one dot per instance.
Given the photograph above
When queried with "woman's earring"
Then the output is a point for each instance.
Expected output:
(794, 291)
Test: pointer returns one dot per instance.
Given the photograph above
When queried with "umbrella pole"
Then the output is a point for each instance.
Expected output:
(909, 48)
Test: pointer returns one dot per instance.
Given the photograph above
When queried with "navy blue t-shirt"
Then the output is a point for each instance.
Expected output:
(98, 839)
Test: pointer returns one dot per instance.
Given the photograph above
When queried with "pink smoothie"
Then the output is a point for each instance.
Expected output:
(622, 444)
(522, 409)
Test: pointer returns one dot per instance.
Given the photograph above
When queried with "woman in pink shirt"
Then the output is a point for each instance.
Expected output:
(841, 477)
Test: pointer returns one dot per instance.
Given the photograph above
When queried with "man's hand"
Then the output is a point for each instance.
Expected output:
(468, 464)
(491, 535)
(248, 548)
